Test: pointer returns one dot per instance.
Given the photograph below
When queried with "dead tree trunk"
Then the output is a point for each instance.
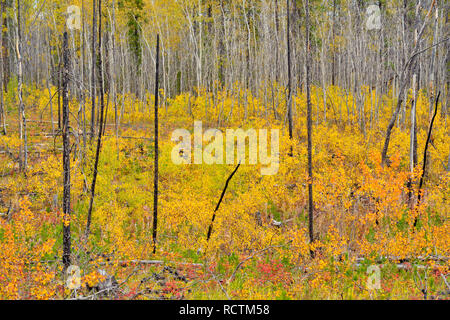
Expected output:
(309, 121)
(416, 84)
(4, 53)
(66, 157)
(424, 165)
(94, 61)
(2, 107)
(404, 78)
(220, 201)
(59, 91)
(113, 74)
(155, 180)
(289, 88)
(100, 130)
(333, 58)
(23, 154)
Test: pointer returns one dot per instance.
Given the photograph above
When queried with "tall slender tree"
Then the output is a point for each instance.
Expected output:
(23, 153)
(2, 78)
(94, 62)
(309, 125)
(289, 86)
(156, 172)
(100, 130)
(66, 155)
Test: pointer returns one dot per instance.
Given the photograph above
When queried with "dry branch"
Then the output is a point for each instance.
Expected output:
(220, 201)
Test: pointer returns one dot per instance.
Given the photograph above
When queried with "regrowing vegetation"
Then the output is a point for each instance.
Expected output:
(93, 205)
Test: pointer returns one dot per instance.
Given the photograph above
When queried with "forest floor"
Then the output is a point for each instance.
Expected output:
(366, 247)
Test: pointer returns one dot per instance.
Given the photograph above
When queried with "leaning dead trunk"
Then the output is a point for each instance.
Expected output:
(309, 121)
(2, 108)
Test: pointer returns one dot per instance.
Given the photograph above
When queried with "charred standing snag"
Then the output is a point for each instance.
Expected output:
(100, 130)
(155, 181)
(66, 157)
(2, 107)
(94, 60)
(309, 124)
(288, 40)
(424, 166)
(220, 201)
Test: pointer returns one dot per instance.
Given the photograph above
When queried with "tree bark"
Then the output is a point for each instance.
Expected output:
(100, 130)
(66, 157)
(23, 155)
(404, 77)
(155, 177)
(2, 78)
(289, 87)
(424, 165)
(94, 61)
(309, 124)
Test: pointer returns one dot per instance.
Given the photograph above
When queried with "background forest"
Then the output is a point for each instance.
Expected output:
(358, 209)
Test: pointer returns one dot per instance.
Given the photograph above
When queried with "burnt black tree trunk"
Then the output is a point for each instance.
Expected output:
(66, 156)
(100, 130)
(94, 62)
(309, 120)
(288, 40)
(220, 201)
(59, 90)
(155, 180)
(2, 107)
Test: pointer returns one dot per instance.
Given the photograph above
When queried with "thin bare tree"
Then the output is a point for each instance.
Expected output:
(309, 125)
(93, 63)
(2, 78)
(66, 156)
(404, 79)
(155, 177)
(289, 86)
(100, 130)
(23, 153)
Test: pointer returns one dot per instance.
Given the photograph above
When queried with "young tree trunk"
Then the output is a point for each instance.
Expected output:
(155, 180)
(66, 157)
